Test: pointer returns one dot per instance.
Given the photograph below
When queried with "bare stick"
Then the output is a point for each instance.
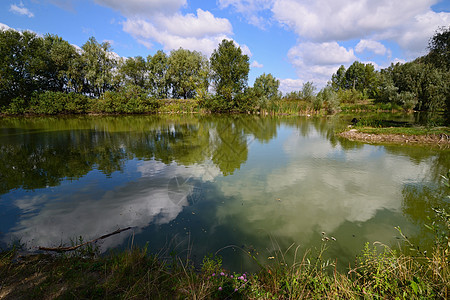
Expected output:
(64, 249)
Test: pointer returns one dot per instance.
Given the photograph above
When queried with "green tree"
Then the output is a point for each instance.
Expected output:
(58, 57)
(158, 66)
(355, 76)
(186, 73)
(338, 79)
(439, 46)
(307, 93)
(98, 63)
(230, 70)
(21, 62)
(133, 71)
(267, 86)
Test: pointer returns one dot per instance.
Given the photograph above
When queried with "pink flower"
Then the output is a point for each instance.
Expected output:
(222, 273)
(220, 288)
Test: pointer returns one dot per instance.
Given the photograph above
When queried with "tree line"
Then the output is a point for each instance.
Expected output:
(422, 84)
(49, 75)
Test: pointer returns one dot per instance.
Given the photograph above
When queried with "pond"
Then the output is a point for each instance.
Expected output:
(198, 185)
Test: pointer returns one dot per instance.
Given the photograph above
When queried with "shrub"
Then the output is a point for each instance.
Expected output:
(132, 99)
(17, 106)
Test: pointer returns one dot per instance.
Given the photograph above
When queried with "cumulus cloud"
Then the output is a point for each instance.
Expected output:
(146, 32)
(256, 64)
(288, 85)
(20, 9)
(318, 61)
(413, 36)
(372, 46)
(325, 20)
(4, 27)
(201, 31)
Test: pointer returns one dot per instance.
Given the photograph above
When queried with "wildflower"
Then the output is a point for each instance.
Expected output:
(241, 278)
(220, 288)
(231, 276)
(213, 274)
(245, 280)
(222, 274)
(236, 290)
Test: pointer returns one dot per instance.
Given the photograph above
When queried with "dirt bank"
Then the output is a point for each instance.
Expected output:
(441, 140)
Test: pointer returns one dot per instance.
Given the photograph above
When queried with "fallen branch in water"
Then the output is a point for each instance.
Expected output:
(64, 249)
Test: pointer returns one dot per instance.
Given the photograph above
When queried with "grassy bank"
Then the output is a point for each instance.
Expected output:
(133, 100)
(378, 272)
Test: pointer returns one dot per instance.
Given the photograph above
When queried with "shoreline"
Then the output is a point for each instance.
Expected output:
(397, 138)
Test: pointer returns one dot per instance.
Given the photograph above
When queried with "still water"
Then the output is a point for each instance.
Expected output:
(195, 185)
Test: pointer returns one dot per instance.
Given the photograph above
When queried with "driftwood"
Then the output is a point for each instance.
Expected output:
(64, 249)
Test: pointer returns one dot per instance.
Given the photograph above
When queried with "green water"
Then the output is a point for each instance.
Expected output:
(194, 185)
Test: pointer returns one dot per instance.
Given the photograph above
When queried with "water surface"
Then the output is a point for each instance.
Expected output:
(194, 185)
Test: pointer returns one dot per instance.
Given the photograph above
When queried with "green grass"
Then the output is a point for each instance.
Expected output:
(379, 272)
(405, 130)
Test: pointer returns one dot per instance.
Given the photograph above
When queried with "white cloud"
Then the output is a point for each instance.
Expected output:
(256, 64)
(414, 36)
(325, 20)
(4, 27)
(201, 32)
(288, 85)
(318, 61)
(146, 32)
(20, 9)
(321, 53)
(372, 46)
(409, 23)
(204, 24)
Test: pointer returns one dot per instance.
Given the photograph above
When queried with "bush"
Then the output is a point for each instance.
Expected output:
(132, 99)
(328, 97)
(348, 96)
(216, 103)
(17, 106)
(51, 103)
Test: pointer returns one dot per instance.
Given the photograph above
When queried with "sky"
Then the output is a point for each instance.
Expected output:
(294, 40)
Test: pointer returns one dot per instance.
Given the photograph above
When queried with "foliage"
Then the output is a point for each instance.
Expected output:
(267, 86)
(439, 46)
(330, 98)
(134, 71)
(187, 71)
(131, 99)
(230, 70)
(97, 66)
(157, 66)
(378, 272)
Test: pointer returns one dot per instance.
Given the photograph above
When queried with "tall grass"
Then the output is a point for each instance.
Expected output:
(378, 272)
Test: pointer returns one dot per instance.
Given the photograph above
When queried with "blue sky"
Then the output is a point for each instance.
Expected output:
(295, 40)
